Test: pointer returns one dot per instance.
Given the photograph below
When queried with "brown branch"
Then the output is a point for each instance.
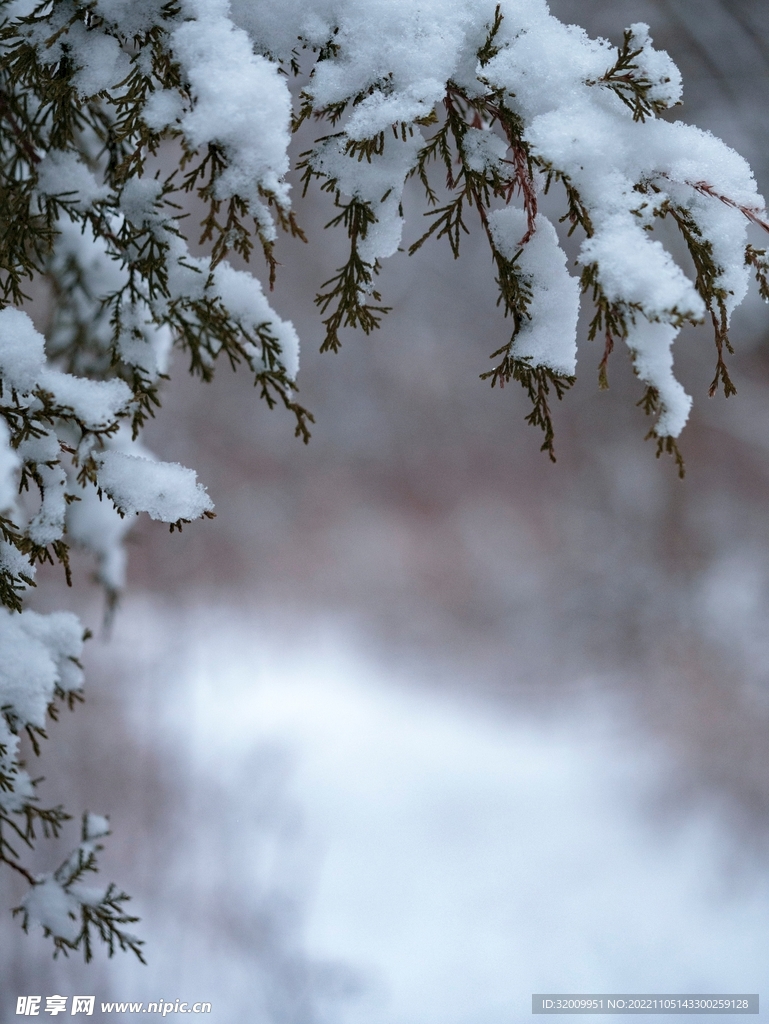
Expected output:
(526, 189)
(603, 378)
(17, 867)
(751, 213)
(23, 141)
(523, 177)
(722, 372)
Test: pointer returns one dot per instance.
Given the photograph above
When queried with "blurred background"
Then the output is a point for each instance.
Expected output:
(421, 723)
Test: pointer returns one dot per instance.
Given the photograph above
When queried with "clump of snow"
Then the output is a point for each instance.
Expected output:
(484, 149)
(378, 182)
(90, 275)
(57, 899)
(9, 465)
(397, 56)
(38, 652)
(96, 525)
(163, 108)
(64, 174)
(62, 636)
(651, 344)
(132, 16)
(52, 906)
(22, 350)
(97, 403)
(240, 102)
(138, 199)
(657, 67)
(47, 525)
(167, 491)
(102, 60)
(13, 562)
(96, 826)
(389, 64)
(549, 337)
(13, 800)
(243, 298)
(637, 270)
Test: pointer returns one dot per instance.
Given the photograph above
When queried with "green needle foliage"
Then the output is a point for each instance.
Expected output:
(91, 216)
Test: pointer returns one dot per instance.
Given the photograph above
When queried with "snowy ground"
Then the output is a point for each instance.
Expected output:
(433, 860)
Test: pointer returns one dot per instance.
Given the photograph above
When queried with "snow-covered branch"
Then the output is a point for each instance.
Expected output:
(486, 107)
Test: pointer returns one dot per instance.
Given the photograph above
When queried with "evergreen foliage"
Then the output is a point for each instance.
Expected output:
(97, 96)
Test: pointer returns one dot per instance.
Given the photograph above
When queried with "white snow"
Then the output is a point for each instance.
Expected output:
(390, 61)
(96, 402)
(163, 108)
(9, 465)
(652, 347)
(22, 350)
(549, 337)
(240, 102)
(484, 149)
(243, 297)
(95, 524)
(52, 906)
(455, 856)
(37, 656)
(64, 174)
(97, 826)
(47, 525)
(378, 182)
(638, 270)
(101, 59)
(166, 490)
(23, 366)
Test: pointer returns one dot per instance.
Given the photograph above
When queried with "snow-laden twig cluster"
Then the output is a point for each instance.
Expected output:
(70, 911)
(521, 104)
(485, 106)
